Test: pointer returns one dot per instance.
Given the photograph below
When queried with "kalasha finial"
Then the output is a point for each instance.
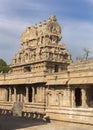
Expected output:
(44, 23)
(53, 18)
(35, 26)
(40, 24)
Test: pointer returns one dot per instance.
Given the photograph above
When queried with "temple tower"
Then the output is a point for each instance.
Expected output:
(41, 49)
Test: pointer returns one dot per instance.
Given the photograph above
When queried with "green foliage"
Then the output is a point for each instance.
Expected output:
(4, 68)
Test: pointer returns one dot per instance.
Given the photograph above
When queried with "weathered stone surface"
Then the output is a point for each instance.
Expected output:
(44, 80)
(17, 109)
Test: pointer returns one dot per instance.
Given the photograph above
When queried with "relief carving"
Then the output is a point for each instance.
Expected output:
(41, 42)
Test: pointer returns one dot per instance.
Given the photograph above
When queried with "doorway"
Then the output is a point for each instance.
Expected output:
(78, 96)
(30, 94)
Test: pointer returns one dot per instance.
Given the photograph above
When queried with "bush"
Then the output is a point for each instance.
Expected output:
(4, 68)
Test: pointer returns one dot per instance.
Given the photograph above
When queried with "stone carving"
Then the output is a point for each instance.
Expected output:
(47, 28)
(40, 42)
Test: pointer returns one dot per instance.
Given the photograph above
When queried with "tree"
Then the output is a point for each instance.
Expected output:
(4, 68)
(87, 51)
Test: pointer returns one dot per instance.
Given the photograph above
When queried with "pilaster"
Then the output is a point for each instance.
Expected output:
(33, 94)
(73, 98)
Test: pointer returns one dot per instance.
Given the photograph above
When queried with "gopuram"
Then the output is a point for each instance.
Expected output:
(44, 82)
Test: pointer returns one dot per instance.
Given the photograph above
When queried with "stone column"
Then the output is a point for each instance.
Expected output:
(33, 94)
(73, 98)
(15, 95)
(44, 95)
(84, 98)
(27, 92)
(69, 96)
(10, 94)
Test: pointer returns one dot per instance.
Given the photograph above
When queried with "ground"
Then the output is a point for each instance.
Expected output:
(18, 123)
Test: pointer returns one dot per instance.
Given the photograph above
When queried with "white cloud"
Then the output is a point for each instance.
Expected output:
(33, 5)
(10, 32)
(89, 1)
(77, 35)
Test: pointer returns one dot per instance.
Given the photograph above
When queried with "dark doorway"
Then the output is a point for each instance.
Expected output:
(78, 99)
(30, 94)
(7, 94)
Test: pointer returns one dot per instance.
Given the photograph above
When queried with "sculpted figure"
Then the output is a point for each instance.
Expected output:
(45, 28)
(33, 32)
(46, 40)
(54, 29)
(40, 33)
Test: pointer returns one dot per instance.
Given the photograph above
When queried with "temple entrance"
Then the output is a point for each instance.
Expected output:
(30, 94)
(78, 96)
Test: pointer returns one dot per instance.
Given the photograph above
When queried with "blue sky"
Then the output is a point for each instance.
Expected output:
(74, 16)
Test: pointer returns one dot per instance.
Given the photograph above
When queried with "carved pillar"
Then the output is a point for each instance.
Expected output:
(37, 96)
(15, 94)
(27, 92)
(73, 98)
(10, 94)
(33, 94)
(84, 98)
(44, 95)
(69, 96)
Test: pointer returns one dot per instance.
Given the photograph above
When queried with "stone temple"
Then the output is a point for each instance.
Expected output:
(44, 82)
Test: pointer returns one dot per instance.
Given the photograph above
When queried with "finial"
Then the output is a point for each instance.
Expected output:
(44, 23)
(35, 26)
(40, 24)
(49, 19)
(28, 27)
(53, 18)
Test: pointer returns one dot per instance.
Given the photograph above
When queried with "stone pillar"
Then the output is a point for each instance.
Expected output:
(73, 98)
(15, 95)
(10, 94)
(27, 92)
(44, 95)
(69, 96)
(37, 94)
(33, 94)
(84, 103)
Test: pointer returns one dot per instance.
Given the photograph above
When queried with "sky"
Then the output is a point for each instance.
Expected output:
(74, 16)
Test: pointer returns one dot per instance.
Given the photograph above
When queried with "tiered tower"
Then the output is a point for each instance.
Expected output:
(41, 49)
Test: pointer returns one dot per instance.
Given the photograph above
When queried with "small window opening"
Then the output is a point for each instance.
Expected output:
(56, 68)
(27, 69)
